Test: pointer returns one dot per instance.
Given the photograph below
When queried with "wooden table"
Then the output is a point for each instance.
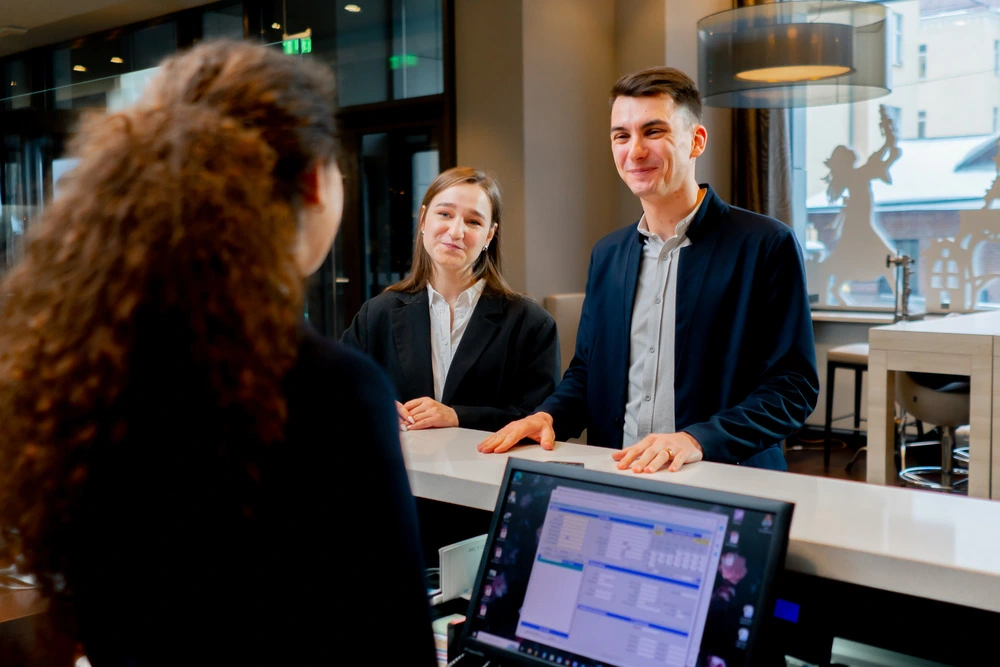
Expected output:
(961, 345)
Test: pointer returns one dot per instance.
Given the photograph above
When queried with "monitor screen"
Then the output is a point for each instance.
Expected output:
(591, 569)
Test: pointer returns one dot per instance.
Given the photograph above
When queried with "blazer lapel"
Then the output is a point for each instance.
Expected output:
(694, 263)
(411, 332)
(477, 337)
(632, 257)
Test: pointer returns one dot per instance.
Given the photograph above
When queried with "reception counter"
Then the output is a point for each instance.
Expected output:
(886, 568)
(918, 543)
(882, 568)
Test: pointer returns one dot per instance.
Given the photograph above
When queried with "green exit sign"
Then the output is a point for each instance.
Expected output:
(297, 46)
(405, 60)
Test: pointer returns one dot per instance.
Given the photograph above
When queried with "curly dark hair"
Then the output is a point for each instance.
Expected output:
(145, 337)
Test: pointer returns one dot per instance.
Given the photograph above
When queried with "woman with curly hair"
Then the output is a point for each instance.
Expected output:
(170, 429)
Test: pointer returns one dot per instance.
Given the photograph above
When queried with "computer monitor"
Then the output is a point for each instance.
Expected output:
(586, 569)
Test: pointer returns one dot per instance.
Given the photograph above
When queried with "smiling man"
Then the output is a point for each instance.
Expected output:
(695, 340)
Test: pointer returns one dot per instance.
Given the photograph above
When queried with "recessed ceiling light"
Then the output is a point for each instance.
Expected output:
(276, 26)
(13, 83)
(960, 22)
(354, 9)
(116, 60)
(79, 68)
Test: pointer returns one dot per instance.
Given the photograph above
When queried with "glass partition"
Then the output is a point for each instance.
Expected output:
(388, 56)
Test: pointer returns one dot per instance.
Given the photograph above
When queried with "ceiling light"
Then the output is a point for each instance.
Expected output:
(13, 83)
(793, 54)
(116, 60)
(276, 26)
(79, 68)
(354, 9)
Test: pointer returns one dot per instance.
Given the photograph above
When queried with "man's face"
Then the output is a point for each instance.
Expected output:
(655, 144)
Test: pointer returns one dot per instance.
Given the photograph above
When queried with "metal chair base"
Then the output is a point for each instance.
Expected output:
(962, 454)
(932, 477)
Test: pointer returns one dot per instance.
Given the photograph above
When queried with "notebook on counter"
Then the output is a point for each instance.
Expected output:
(592, 569)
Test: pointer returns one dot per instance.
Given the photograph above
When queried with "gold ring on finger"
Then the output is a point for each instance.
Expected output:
(670, 453)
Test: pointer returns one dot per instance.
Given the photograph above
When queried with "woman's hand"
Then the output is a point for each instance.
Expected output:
(428, 413)
(405, 418)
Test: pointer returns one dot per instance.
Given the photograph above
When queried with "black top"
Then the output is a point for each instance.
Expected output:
(323, 567)
(506, 364)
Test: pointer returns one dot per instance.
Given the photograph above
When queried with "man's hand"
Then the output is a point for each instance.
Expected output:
(425, 412)
(656, 450)
(537, 427)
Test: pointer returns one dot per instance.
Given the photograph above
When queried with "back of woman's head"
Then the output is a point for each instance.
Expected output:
(150, 326)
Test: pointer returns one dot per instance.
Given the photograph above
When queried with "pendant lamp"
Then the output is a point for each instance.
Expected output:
(793, 54)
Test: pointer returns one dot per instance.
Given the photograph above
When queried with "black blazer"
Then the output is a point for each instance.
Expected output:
(506, 364)
(745, 364)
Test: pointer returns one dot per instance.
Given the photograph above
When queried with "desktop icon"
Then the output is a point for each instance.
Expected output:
(734, 537)
(743, 634)
(748, 611)
(767, 521)
(738, 515)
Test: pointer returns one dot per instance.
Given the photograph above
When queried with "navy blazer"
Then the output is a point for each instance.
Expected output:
(744, 360)
(507, 362)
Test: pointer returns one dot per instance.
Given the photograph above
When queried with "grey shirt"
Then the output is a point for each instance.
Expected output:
(650, 405)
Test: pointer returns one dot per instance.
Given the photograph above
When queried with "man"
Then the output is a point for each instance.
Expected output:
(695, 341)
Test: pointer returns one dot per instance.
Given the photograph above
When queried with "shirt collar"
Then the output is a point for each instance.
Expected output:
(466, 298)
(682, 226)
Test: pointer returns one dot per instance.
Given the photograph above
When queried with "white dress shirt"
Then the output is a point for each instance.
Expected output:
(650, 404)
(446, 333)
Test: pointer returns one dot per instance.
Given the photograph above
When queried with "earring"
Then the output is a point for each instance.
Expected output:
(485, 247)
(421, 232)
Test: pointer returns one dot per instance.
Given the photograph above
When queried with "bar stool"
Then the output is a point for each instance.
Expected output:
(942, 400)
(962, 436)
(852, 357)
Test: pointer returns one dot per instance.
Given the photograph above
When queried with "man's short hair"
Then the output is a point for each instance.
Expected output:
(654, 81)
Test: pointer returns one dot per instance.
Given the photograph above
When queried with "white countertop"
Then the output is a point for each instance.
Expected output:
(920, 543)
(852, 316)
(975, 324)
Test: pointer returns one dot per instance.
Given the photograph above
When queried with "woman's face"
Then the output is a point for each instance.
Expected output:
(456, 227)
(320, 217)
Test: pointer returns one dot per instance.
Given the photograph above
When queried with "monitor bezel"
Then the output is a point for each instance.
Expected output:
(781, 510)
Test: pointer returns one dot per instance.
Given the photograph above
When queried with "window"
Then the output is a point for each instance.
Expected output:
(895, 115)
(897, 24)
(879, 179)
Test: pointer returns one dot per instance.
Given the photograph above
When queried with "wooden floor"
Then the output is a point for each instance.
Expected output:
(804, 454)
